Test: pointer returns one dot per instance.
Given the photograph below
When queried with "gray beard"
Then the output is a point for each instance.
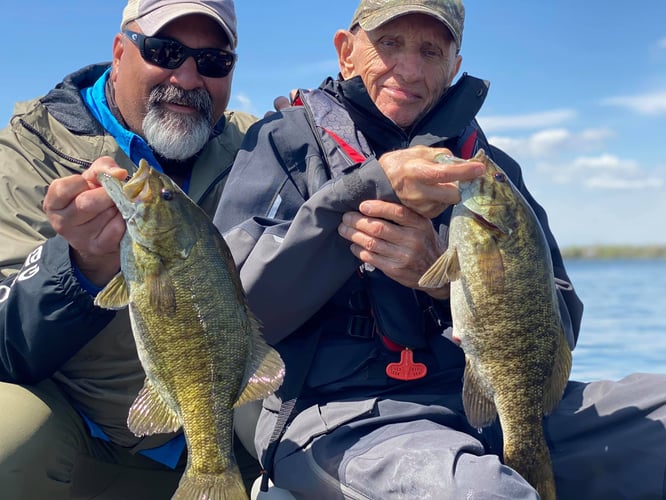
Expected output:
(178, 136)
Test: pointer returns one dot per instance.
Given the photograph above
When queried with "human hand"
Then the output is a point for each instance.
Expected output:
(281, 102)
(422, 184)
(396, 240)
(79, 209)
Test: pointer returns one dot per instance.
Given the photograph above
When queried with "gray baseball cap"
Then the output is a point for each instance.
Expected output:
(153, 15)
(371, 14)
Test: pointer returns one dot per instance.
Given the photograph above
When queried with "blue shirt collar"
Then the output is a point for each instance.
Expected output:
(133, 145)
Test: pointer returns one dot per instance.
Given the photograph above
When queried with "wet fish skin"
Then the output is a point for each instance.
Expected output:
(506, 318)
(197, 340)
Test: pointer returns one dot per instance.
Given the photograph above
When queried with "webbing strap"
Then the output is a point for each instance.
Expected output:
(291, 388)
(286, 409)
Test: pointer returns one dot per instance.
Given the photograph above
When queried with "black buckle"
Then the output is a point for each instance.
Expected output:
(361, 327)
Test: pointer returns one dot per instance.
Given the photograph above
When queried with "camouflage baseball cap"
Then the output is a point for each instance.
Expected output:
(371, 14)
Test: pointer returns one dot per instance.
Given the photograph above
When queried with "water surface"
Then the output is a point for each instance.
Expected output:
(624, 322)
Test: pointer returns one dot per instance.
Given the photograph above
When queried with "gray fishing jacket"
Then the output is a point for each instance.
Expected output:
(49, 326)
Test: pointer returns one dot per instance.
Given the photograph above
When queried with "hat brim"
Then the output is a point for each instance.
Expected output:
(152, 22)
(385, 15)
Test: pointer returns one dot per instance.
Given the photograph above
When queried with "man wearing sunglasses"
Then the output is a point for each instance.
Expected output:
(68, 370)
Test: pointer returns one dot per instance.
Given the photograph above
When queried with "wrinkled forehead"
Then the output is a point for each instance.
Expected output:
(422, 25)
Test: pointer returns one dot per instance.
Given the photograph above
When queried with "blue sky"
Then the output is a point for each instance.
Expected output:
(578, 88)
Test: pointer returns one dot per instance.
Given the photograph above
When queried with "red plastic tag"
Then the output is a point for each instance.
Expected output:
(406, 369)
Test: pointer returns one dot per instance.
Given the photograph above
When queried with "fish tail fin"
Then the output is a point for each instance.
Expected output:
(225, 486)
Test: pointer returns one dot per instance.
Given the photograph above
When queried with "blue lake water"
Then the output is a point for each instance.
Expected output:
(624, 322)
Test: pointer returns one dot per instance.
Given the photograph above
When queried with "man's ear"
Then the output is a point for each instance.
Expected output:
(118, 48)
(456, 67)
(343, 41)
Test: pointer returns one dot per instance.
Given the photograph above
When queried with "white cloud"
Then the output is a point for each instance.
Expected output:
(608, 182)
(610, 172)
(526, 121)
(601, 172)
(549, 142)
(646, 104)
(244, 103)
(604, 161)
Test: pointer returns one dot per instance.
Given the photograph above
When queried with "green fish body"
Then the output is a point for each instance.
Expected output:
(506, 317)
(197, 340)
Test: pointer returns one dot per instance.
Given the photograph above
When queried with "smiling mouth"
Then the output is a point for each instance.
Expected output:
(406, 94)
(179, 107)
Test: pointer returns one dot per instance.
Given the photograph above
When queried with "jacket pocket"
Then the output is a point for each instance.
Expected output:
(318, 420)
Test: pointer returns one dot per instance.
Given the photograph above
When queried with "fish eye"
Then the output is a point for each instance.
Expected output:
(500, 177)
(167, 194)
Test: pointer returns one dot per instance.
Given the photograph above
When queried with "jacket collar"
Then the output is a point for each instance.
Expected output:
(455, 110)
(65, 104)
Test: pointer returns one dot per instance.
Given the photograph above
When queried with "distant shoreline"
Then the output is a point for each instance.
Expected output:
(614, 252)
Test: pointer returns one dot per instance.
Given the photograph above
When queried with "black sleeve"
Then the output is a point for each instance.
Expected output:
(45, 315)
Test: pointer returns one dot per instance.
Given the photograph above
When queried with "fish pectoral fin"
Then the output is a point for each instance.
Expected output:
(115, 294)
(491, 267)
(444, 270)
(479, 407)
(149, 414)
(264, 372)
(560, 376)
(161, 291)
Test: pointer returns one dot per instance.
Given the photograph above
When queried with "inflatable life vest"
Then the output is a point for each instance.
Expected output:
(345, 147)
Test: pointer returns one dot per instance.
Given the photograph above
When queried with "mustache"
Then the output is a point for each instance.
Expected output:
(198, 99)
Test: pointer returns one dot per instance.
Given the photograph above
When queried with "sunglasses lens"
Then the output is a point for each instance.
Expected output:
(214, 64)
(164, 53)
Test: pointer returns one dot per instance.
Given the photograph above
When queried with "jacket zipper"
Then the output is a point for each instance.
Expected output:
(62, 155)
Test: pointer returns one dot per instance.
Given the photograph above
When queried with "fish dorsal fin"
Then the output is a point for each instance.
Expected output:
(560, 376)
(264, 371)
(444, 270)
(161, 292)
(479, 407)
(115, 294)
(149, 414)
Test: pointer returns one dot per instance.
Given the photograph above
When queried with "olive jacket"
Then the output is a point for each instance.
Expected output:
(49, 326)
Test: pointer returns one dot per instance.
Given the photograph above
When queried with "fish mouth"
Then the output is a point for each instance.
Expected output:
(137, 189)
(129, 196)
(114, 188)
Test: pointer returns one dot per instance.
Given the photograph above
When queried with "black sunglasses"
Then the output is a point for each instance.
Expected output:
(170, 54)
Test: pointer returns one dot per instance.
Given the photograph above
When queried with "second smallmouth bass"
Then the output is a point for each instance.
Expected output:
(506, 317)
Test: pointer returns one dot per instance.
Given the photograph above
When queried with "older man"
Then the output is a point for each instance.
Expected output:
(353, 162)
(70, 370)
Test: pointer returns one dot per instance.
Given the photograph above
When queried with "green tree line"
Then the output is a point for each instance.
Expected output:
(614, 252)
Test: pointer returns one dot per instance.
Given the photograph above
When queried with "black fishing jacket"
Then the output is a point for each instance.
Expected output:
(285, 197)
